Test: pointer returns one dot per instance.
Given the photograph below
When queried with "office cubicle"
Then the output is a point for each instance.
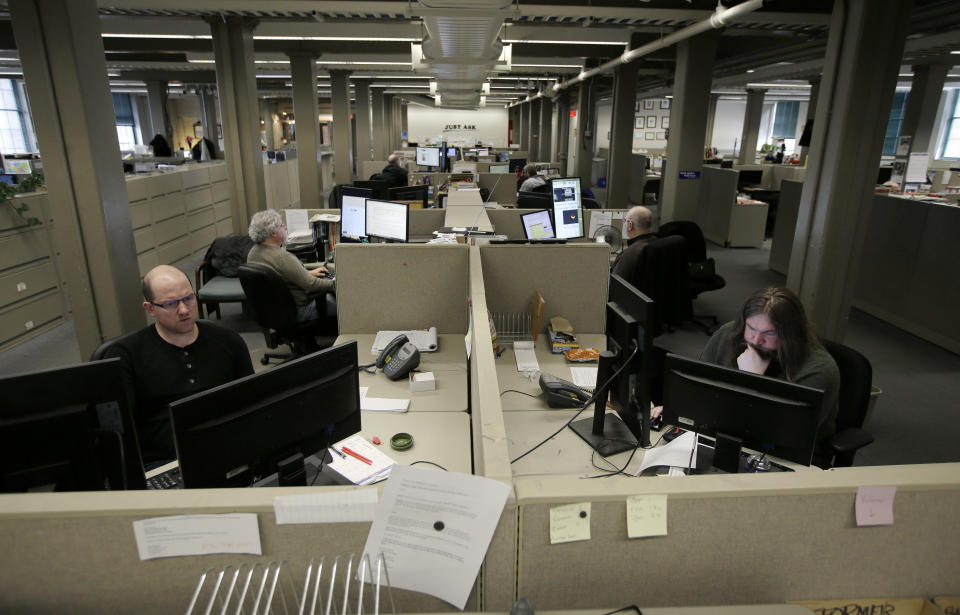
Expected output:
(507, 221)
(724, 221)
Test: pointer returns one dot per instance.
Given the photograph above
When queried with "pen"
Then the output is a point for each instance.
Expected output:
(356, 455)
(338, 452)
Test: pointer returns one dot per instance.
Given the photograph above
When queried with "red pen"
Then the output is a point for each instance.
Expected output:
(356, 455)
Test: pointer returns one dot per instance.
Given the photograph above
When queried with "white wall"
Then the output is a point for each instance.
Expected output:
(659, 128)
(491, 125)
(728, 125)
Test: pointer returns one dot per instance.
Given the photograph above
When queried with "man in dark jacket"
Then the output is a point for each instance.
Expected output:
(393, 173)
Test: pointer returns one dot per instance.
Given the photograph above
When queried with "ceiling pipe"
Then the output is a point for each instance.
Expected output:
(720, 18)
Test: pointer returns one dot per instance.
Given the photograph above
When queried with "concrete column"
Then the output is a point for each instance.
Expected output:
(208, 117)
(159, 120)
(563, 130)
(237, 89)
(342, 144)
(361, 89)
(388, 124)
(143, 118)
(525, 111)
(920, 114)
(397, 123)
(546, 129)
(751, 127)
(535, 109)
(379, 128)
(688, 124)
(306, 110)
(88, 195)
(711, 117)
(844, 156)
(404, 120)
(519, 127)
(266, 115)
(811, 110)
(586, 114)
(621, 135)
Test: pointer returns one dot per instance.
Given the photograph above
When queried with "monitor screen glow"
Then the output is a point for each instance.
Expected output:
(499, 168)
(387, 220)
(353, 212)
(428, 156)
(567, 208)
(537, 225)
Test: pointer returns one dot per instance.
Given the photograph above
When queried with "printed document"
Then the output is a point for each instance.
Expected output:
(676, 453)
(434, 529)
(298, 225)
(197, 535)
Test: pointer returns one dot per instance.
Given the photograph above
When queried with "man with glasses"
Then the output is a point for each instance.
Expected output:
(174, 357)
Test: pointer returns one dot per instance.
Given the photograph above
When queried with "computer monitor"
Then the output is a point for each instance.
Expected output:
(517, 164)
(567, 207)
(503, 156)
(766, 414)
(378, 187)
(538, 225)
(13, 166)
(388, 220)
(483, 152)
(353, 213)
(68, 429)
(626, 365)
(499, 168)
(452, 152)
(428, 156)
(410, 193)
(241, 432)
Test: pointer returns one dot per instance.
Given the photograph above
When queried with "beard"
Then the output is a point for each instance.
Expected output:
(765, 353)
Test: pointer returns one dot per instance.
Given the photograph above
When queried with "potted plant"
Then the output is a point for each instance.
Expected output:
(8, 192)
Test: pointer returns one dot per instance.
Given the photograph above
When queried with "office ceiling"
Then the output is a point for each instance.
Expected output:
(460, 44)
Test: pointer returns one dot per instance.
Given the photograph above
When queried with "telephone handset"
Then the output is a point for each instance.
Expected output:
(391, 349)
(398, 358)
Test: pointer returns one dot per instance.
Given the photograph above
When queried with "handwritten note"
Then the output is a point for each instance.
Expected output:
(875, 505)
(570, 523)
(646, 516)
(197, 535)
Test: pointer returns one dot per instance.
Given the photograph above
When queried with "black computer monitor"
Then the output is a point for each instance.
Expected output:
(353, 213)
(410, 193)
(567, 207)
(538, 225)
(388, 220)
(377, 187)
(68, 429)
(241, 432)
(625, 369)
(428, 156)
(766, 414)
(517, 164)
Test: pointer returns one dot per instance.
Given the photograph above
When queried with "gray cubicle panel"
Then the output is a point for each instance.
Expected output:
(638, 175)
(743, 539)
(502, 187)
(907, 273)
(402, 286)
(573, 279)
(425, 221)
(718, 194)
(787, 210)
(436, 179)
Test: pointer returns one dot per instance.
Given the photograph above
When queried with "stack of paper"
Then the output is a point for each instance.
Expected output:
(424, 339)
(356, 470)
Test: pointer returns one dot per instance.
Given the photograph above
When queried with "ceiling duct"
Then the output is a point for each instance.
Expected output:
(460, 50)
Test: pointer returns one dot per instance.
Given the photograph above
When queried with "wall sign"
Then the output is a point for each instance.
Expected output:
(460, 127)
(689, 174)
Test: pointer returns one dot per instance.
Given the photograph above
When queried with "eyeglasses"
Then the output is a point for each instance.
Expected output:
(174, 303)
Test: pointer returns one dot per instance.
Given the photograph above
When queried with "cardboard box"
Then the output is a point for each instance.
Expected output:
(422, 381)
(950, 605)
(871, 606)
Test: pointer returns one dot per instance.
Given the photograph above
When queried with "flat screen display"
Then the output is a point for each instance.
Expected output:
(353, 212)
(567, 208)
(499, 168)
(387, 220)
(537, 225)
(428, 156)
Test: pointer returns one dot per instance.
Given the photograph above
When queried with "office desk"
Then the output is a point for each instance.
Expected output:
(448, 364)
(440, 437)
(553, 364)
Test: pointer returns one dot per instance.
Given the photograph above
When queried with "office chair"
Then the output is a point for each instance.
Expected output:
(702, 275)
(856, 379)
(272, 305)
(534, 200)
(661, 274)
(216, 275)
(589, 203)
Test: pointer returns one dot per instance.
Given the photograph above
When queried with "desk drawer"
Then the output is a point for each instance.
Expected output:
(24, 247)
(195, 199)
(17, 321)
(163, 184)
(197, 177)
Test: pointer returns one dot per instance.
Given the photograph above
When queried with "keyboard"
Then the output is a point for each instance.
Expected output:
(170, 479)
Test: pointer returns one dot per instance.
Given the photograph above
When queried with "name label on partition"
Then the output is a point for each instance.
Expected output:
(689, 174)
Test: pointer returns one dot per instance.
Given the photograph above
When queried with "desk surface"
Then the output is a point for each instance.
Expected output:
(448, 364)
(553, 364)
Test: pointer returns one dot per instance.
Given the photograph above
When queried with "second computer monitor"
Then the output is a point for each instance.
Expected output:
(388, 220)
(567, 207)
(428, 156)
(538, 225)
(353, 212)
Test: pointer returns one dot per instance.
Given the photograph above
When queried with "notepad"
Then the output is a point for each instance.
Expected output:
(357, 471)
(526, 357)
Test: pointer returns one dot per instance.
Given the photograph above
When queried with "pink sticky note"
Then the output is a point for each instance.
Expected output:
(875, 505)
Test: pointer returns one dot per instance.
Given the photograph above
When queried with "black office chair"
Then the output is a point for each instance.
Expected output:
(273, 307)
(661, 274)
(534, 200)
(216, 276)
(702, 274)
(589, 203)
(856, 380)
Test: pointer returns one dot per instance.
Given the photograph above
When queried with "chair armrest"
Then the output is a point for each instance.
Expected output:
(850, 440)
(198, 274)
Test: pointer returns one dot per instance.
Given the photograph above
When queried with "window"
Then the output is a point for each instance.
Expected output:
(11, 128)
(894, 123)
(951, 144)
(126, 122)
(785, 119)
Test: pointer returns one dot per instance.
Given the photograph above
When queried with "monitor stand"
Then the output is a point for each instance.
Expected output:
(604, 432)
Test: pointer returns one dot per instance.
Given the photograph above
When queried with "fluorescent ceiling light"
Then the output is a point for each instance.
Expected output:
(540, 42)
(905, 75)
(394, 77)
(956, 52)
(368, 39)
(547, 65)
(789, 86)
(274, 77)
(183, 36)
(321, 62)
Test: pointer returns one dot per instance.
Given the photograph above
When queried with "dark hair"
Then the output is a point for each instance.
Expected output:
(795, 335)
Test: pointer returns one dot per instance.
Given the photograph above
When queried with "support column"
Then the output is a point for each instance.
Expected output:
(208, 118)
(342, 144)
(396, 123)
(621, 136)
(688, 124)
(97, 257)
(142, 106)
(711, 117)
(526, 109)
(361, 89)
(159, 120)
(388, 130)
(266, 115)
(404, 120)
(920, 114)
(379, 130)
(535, 107)
(811, 111)
(844, 156)
(546, 129)
(751, 127)
(563, 130)
(237, 89)
(586, 112)
(306, 110)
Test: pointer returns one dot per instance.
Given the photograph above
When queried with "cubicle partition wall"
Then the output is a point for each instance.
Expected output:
(281, 183)
(425, 221)
(502, 187)
(723, 221)
(743, 539)
(787, 210)
(774, 174)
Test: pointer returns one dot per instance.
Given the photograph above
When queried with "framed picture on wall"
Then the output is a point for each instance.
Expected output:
(648, 104)
(639, 122)
(665, 121)
(651, 121)
(649, 136)
(665, 103)
(638, 106)
(661, 136)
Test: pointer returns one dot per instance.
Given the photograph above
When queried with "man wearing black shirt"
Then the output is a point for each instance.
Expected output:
(393, 173)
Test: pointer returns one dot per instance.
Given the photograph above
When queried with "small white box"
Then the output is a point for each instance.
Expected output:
(422, 381)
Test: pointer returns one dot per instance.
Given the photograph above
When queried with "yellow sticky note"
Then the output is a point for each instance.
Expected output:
(570, 523)
(646, 516)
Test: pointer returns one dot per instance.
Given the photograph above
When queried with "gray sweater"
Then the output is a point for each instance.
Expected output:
(303, 286)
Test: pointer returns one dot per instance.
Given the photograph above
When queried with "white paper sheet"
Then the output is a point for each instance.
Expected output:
(298, 223)
(197, 535)
(424, 339)
(526, 357)
(598, 219)
(676, 453)
(332, 506)
(584, 377)
(434, 529)
(384, 404)
(917, 168)
(355, 470)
